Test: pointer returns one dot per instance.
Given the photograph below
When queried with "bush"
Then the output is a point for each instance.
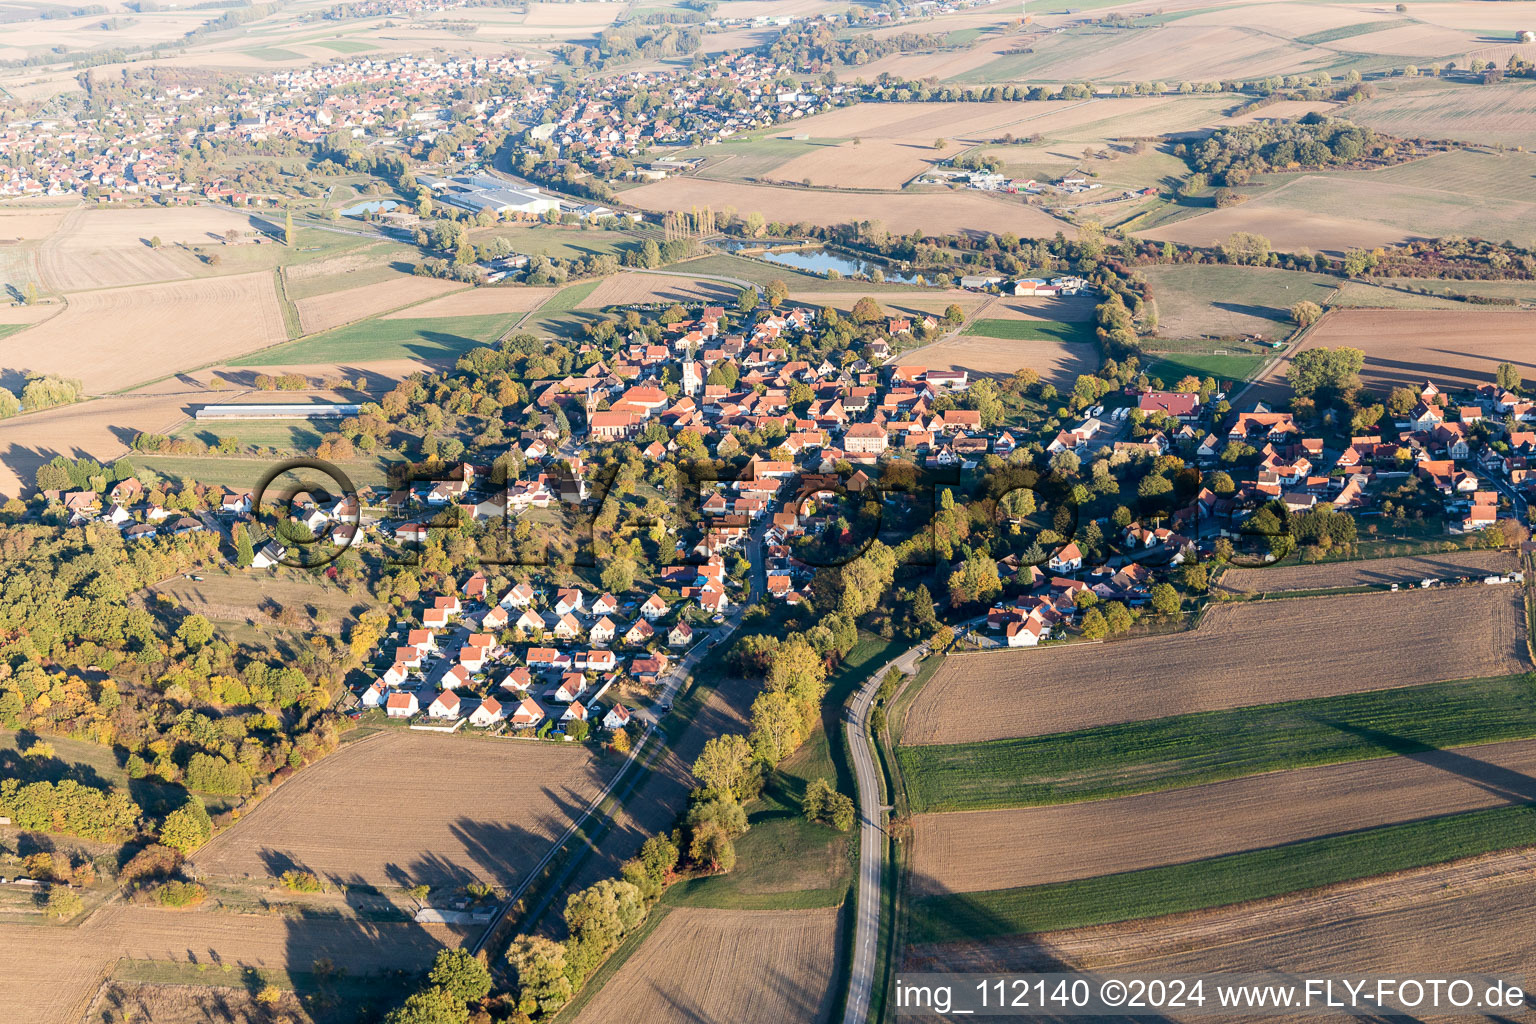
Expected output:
(180, 894)
(301, 881)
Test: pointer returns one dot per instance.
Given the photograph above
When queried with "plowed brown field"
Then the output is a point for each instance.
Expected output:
(1473, 914)
(1454, 348)
(624, 288)
(322, 312)
(743, 966)
(1241, 654)
(115, 338)
(1002, 849)
(1407, 569)
(414, 806)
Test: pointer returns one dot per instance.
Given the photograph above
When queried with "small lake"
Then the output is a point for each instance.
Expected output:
(372, 206)
(819, 261)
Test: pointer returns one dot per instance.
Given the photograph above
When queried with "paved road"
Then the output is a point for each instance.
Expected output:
(871, 840)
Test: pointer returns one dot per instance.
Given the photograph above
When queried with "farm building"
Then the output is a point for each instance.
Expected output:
(307, 411)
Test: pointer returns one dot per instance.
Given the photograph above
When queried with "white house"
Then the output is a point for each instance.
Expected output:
(567, 601)
(653, 608)
(271, 554)
(531, 621)
(603, 631)
(577, 712)
(1068, 559)
(617, 718)
(488, 713)
(681, 635)
(520, 596)
(402, 705)
(447, 705)
(375, 695)
(528, 714)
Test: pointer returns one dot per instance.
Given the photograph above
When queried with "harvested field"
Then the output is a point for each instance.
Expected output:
(29, 314)
(49, 973)
(747, 966)
(193, 1004)
(115, 338)
(27, 222)
(477, 302)
(1176, 50)
(572, 15)
(1285, 110)
(1288, 230)
(965, 211)
(107, 248)
(1066, 309)
(1410, 568)
(1439, 915)
(1494, 114)
(970, 851)
(323, 312)
(1055, 361)
(507, 801)
(1231, 660)
(878, 163)
(623, 289)
(99, 428)
(1456, 348)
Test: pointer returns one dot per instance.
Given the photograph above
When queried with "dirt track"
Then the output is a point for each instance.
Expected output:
(974, 850)
(1241, 654)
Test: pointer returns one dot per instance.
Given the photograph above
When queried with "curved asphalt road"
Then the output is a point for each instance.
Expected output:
(871, 839)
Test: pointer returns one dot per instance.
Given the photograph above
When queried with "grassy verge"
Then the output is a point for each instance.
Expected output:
(1187, 750)
(1030, 330)
(1221, 881)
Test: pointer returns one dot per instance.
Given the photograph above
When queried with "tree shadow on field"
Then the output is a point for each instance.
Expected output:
(1505, 783)
(1249, 309)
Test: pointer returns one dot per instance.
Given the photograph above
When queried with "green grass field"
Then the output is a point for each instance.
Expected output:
(1197, 300)
(440, 338)
(1333, 35)
(265, 434)
(230, 471)
(1170, 368)
(1220, 881)
(273, 53)
(1031, 330)
(1189, 750)
(346, 46)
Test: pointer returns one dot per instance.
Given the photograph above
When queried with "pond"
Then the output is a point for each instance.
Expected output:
(372, 206)
(819, 261)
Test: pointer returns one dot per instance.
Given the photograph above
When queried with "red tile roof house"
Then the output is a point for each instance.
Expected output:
(1177, 404)
(401, 705)
(528, 714)
(519, 679)
(520, 596)
(488, 713)
(447, 705)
